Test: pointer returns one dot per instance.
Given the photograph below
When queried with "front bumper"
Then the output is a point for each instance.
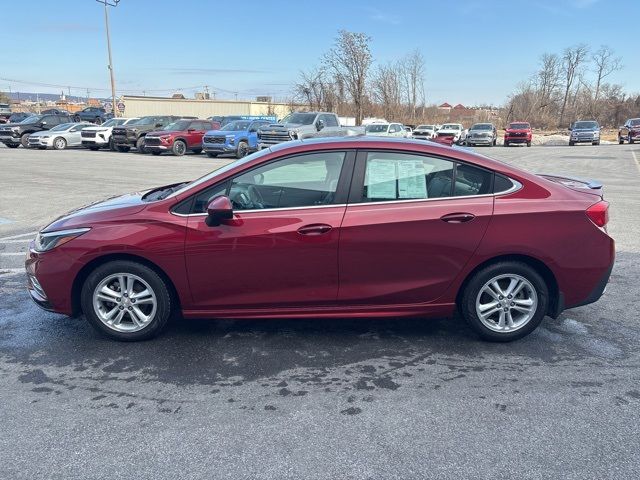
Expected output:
(584, 139)
(479, 141)
(10, 140)
(35, 142)
(218, 148)
(124, 141)
(517, 139)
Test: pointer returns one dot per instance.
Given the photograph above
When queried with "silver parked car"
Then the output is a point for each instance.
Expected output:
(481, 134)
(59, 137)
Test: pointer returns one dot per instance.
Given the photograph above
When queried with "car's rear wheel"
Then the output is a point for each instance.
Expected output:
(571, 144)
(528, 144)
(506, 143)
(126, 300)
(24, 140)
(505, 301)
(122, 149)
(595, 143)
(59, 143)
(112, 146)
(179, 148)
(631, 140)
(620, 140)
(140, 145)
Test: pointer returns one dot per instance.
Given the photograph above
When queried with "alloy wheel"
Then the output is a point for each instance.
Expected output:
(124, 302)
(506, 303)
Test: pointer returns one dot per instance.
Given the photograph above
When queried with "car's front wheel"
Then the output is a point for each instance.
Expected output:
(505, 301)
(179, 148)
(24, 140)
(126, 300)
(59, 143)
(140, 145)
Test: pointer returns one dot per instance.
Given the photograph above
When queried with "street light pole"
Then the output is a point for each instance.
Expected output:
(112, 3)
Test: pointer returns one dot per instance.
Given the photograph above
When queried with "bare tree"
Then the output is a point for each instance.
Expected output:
(316, 88)
(413, 75)
(572, 59)
(386, 89)
(548, 82)
(350, 60)
(605, 63)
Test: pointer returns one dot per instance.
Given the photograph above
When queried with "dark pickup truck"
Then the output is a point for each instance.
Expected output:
(132, 135)
(15, 134)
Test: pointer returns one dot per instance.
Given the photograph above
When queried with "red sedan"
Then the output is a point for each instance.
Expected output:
(348, 227)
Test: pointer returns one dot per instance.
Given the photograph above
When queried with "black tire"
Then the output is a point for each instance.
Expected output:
(155, 152)
(76, 119)
(631, 140)
(98, 121)
(495, 141)
(595, 143)
(477, 282)
(12, 145)
(42, 148)
(571, 144)
(140, 145)
(212, 155)
(528, 144)
(506, 143)
(179, 148)
(155, 281)
(24, 140)
(59, 143)
(112, 146)
(242, 150)
(620, 140)
(122, 148)
(197, 151)
(94, 149)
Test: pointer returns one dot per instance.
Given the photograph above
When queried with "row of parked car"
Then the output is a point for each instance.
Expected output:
(241, 135)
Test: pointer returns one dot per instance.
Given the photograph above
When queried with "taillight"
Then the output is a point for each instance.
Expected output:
(598, 213)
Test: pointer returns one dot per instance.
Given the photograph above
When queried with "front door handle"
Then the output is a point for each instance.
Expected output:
(457, 217)
(314, 229)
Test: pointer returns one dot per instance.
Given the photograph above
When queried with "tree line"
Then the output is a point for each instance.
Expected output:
(573, 85)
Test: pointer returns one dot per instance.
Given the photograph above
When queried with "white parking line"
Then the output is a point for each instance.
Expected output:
(13, 254)
(30, 234)
(24, 241)
(11, 271)
(636, 159)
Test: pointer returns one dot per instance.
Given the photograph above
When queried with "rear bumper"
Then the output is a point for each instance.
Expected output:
(597, 291)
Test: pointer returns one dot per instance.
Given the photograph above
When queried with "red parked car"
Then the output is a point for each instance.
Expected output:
(333, 227)
(518, 132)
(179, 137)
(444, 139)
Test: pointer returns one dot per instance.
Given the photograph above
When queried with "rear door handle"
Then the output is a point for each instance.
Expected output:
(457, 217)
(314, 229)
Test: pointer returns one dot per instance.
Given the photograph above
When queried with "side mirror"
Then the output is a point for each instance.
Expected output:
(319, 125)
(43, 123)
(219, 209)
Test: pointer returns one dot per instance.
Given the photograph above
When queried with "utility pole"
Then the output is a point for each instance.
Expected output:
(110, 3)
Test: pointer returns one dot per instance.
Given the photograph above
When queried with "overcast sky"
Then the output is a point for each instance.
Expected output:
(475, 51)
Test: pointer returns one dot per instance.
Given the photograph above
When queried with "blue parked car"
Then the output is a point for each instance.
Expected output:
(239, 137)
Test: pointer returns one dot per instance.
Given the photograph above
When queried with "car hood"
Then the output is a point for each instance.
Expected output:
(275, 126)
(585, 130)
(107, 210)
(517, 130)
(10, 125)
(159, 133)
(43, 133)
(449, 131)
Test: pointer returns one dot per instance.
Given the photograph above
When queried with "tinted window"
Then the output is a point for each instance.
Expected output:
(299, 181)
(399, 176)
(330, 121)
(202, 200)
(501, 184)
(471, 180)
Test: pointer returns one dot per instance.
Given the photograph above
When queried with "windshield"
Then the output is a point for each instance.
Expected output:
(635, 123)
(62, 127)
(299, 118)
(482, 126)
(32, 119)
(424, 127)
(179, 125)
(238, 125)
(226, 168)
(519, 126)
(144, 121)
(451, 126)
(585, 125)
(377, 128)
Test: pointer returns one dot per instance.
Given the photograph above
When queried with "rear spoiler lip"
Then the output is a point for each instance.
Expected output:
(592, 184)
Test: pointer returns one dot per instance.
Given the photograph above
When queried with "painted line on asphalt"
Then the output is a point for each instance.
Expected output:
(24, 241)
(12, 237)
(11, 271)
(12, 254)
(4, 221)
(636, 159)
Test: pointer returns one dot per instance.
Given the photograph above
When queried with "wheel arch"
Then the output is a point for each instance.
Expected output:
(556, 304)
(84, 272)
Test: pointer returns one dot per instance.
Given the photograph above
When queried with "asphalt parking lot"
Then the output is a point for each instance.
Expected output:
(313, 399)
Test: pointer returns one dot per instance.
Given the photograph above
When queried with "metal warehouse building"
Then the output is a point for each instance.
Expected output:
(139, 106)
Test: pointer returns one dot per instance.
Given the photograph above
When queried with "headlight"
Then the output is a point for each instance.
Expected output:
(46, 241)
(165, 138)
(44, 137)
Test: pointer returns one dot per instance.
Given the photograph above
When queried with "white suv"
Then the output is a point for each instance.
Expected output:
(99, 136)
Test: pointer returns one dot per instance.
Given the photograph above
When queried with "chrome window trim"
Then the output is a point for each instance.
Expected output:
(516, 186)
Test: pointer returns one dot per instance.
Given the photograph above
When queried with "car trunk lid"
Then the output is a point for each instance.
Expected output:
(583, 185)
